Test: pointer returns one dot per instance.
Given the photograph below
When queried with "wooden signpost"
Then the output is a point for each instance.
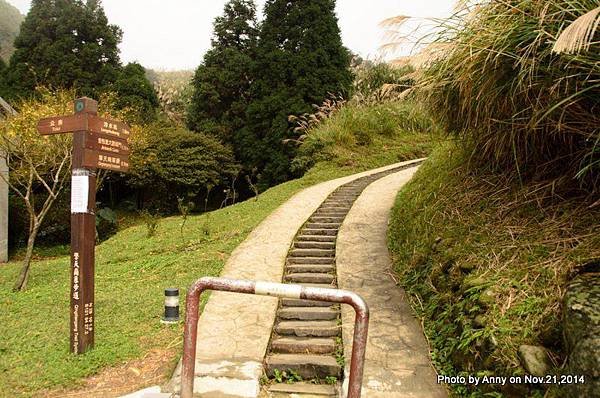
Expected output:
(97, 144)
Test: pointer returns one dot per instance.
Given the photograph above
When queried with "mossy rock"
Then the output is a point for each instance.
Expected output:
(581, 330)
(535, 360)
(581, 308)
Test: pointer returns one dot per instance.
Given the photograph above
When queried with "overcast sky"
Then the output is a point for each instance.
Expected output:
(175, 34)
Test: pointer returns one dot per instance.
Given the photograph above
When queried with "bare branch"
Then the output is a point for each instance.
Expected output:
(40, 179)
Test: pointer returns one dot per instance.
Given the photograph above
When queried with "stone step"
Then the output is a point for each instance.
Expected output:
(306, 277)
(353, 193)
(348, 201)
(351, 189)
(316, 238)
(303, 345)
(305, 268)
(308, 313)
(341, 210)
(331, 212)
(322, 225)
(335, 207)
(338, 202)
(317, 231)
(343, 196)
(314, 245)
(304, 303)
(323, 285)
(327, 219)
(307, 366)
(312, 253)
(311, 260)
(308, 329)
(301, 390)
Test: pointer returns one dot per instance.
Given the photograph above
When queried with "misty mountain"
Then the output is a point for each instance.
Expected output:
(10, 21)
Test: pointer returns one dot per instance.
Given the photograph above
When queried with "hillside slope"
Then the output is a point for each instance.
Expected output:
(10, 21)
(486, 261)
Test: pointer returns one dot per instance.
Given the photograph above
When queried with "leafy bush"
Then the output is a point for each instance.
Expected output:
(169, 162)
(107, 223)
(151, 219)
(522, 107)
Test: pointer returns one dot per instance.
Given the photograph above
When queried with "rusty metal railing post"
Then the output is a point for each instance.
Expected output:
(361, 321)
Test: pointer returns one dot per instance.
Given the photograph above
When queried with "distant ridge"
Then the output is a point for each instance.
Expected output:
(10, 23)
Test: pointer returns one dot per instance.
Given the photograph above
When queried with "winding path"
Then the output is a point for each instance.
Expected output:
(240, 336)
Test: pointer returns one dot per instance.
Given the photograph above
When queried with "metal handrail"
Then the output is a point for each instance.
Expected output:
(361, 321)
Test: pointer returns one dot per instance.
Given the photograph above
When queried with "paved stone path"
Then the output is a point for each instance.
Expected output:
(306, 339)
(398, 363)
(234, 329)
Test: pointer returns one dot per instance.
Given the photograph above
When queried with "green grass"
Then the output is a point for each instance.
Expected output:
(485, 261)
(131, 272)
(368, 134)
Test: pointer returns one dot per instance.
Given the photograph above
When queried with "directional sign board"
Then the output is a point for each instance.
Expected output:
(106, 143)
(62, 124)
(107, 161)
(83, 122)
(110, 127)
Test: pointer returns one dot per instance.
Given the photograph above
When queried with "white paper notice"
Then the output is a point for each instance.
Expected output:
(80, 188)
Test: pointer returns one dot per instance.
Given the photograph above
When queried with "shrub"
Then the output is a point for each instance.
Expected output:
(169, 162)
(107, 223)
(151, 220)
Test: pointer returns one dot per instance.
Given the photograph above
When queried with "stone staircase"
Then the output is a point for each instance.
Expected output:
(306, 339)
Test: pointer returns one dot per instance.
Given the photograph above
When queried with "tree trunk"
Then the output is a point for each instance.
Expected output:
(21, 283)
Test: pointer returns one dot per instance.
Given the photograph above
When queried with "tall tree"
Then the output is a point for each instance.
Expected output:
(300, 59)
(65, 43)
(135, 91)
(222, 81)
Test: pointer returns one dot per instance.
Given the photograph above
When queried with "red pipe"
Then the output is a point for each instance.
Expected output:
(361, 321)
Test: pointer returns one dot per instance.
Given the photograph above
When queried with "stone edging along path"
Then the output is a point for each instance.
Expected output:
(398, 362)
(234, 330)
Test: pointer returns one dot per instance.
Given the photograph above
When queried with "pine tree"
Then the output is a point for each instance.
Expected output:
(300, 60)
(65, 43)
(222, 82)
(135, 91)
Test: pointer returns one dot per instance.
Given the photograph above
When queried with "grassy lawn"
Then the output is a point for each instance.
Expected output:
(486, 260)
(131, 272)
